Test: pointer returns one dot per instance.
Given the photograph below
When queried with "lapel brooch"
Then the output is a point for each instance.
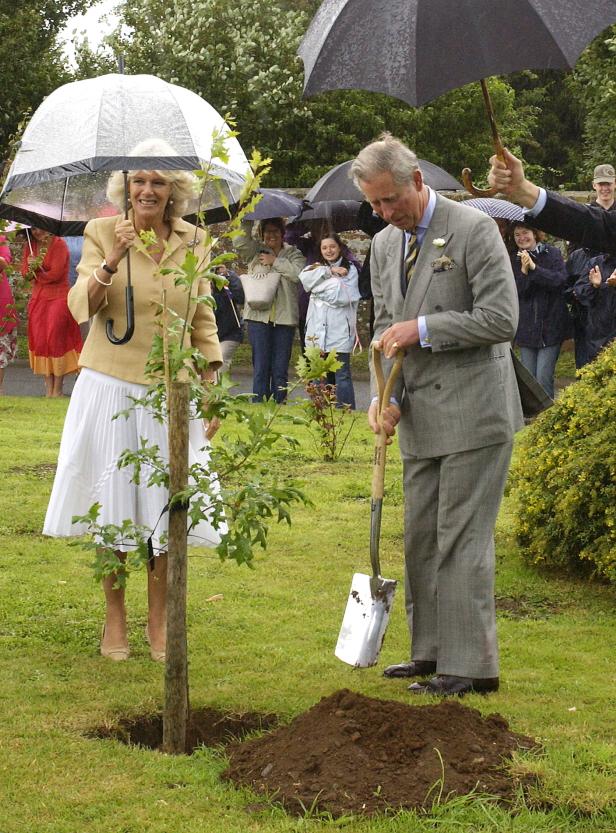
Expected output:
(442, 263)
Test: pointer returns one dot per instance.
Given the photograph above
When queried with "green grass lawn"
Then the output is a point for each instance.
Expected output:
(268, 646)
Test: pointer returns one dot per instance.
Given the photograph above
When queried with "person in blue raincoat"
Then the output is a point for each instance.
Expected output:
(596, 292)
(331, 322)
(541, 279)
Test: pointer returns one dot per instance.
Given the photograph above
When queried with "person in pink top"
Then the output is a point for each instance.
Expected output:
(8, 314)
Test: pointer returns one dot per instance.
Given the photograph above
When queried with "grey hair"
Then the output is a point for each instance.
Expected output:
(183, 183)
(385, 155)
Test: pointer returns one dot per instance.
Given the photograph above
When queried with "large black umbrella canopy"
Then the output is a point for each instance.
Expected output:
(415, 50)
(337, 185)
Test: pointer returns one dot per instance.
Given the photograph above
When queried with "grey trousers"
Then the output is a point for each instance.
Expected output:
(451, 504)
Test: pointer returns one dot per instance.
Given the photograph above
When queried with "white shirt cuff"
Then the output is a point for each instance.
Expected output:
(424, 335)
(539, 205)
(392, 401)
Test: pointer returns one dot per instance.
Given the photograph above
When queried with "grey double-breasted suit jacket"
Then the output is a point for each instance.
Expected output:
(460, 393)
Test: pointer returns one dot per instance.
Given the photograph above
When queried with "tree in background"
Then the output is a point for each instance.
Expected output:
(554, 147)
(32, 61)
(593, 84)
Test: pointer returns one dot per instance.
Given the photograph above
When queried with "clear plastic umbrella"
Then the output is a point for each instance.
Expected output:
(86, 129)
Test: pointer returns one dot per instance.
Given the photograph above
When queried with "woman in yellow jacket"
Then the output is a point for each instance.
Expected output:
(112, 376)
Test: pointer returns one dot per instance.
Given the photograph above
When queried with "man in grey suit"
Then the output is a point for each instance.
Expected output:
(444, 293)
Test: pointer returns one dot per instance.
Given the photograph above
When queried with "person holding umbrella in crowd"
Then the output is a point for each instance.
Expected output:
(590, 226)
(114, 375)
(54, 339)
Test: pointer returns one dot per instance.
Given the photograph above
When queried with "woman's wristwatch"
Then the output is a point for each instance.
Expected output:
(106, 268)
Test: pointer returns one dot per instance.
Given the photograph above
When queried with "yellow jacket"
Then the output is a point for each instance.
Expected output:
(127, 361)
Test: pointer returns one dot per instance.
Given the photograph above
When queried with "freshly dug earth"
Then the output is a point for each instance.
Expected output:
(355, 754)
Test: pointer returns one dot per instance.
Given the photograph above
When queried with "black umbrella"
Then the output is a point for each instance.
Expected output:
(415, 50)
(275, 202)
(336, 184)
(335, 215)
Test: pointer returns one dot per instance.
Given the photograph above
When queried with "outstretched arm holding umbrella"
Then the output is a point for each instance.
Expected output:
(591, 227)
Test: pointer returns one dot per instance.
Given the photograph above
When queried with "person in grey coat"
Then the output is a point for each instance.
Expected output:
(271, 331)
(444, 294)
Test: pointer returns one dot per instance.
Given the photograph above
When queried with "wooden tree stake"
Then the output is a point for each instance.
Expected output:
(175, 717)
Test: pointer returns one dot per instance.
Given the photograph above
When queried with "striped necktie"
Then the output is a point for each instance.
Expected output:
(410, 258)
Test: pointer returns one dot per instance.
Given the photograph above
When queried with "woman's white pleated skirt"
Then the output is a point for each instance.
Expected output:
(87, 472)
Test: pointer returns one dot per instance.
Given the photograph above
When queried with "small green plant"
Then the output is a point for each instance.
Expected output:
(564, 476)
(327, 420)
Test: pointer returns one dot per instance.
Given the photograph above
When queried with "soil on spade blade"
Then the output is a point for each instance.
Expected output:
(355, 754)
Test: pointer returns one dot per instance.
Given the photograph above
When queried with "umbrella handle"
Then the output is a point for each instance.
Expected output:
(130, 321)
(498, 148)
(130, 303)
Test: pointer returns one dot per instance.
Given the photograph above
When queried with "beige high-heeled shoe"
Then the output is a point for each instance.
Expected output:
(118, 654)
(157, 656)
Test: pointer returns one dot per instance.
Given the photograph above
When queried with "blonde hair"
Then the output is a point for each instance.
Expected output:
(183, 183)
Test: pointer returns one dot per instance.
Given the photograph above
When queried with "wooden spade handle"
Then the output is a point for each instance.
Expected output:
(384, 389)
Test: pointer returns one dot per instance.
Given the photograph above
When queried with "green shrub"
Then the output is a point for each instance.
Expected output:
(563, 477)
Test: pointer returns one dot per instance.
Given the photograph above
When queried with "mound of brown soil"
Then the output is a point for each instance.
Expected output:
(355, 754)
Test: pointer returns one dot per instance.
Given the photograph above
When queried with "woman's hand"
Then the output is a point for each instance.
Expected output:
(594, 276)
(267, 258)
(526, 261)
(340, 271)
(611, 281)
(125, 238)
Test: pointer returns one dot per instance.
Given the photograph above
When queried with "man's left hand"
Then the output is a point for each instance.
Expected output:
(398, 337)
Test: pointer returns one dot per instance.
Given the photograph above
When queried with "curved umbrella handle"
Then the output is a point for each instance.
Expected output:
(476, 192)
(130, 303)
(130, 320)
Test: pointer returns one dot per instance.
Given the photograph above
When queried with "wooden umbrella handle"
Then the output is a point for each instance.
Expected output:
(498, 148)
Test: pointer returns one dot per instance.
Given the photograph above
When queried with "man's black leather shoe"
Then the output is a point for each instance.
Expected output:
(444, 685)
(414, 668)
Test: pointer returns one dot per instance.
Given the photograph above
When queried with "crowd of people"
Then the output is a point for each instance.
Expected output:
(562, 295)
